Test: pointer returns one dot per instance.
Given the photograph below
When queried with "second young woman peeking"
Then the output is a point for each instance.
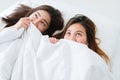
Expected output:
(82, 30)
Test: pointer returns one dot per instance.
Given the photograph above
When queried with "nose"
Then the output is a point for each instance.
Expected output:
(73, 38)
(36, 20)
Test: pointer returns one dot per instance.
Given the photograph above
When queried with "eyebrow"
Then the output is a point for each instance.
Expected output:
(76, 31)
(80, 31)
(43, 19)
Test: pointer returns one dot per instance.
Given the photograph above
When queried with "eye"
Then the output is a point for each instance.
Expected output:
(36, 15)
(79, 34)
(67, 33)
(43, 23)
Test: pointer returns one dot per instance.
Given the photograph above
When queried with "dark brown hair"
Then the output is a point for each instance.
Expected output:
(56, 23)
(90, 28)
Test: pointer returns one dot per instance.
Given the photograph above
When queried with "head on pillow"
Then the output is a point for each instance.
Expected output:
(56, 19)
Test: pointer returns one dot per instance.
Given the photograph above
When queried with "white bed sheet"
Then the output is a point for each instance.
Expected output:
(30, 56)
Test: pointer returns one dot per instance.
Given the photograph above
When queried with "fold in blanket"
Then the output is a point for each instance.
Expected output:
(28, 55)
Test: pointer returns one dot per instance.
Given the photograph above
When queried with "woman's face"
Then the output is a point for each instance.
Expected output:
(41, 19)
(77, 33)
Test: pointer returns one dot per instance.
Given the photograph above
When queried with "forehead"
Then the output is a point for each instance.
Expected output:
(44, 14)
(76, 26)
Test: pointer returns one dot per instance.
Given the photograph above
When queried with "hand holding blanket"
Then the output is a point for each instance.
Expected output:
(30, 56)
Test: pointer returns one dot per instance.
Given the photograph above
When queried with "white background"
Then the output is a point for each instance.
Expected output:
(106, 15)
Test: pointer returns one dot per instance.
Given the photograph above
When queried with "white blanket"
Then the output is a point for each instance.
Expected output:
(28, 55)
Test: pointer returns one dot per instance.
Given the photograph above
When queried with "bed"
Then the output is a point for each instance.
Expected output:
(106, 28)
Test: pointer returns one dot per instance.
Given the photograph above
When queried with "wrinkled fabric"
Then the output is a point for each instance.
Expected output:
(28, 55)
